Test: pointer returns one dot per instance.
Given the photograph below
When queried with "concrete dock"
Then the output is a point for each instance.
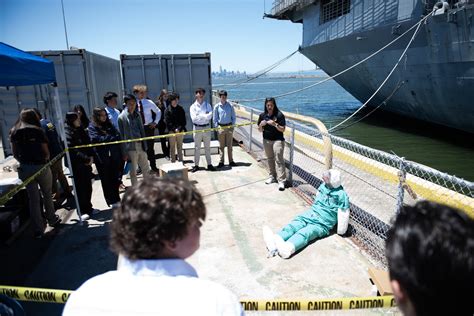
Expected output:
(232, 250)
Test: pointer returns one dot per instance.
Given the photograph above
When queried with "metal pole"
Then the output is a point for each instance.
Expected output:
(65, 29)
(292, 151)
(401, 190)
(250, 131)
(60, 125)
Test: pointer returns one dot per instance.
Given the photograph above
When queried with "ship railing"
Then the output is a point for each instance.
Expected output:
(281, 6)
(378, 183)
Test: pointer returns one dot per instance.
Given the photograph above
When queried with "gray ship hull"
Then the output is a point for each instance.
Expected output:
(435, 85)
(435, 80)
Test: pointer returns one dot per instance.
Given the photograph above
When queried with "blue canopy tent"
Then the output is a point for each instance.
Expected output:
(18, 68)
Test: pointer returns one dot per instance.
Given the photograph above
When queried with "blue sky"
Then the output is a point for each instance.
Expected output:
(233, 31)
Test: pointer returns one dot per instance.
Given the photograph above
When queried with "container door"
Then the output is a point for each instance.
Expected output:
(71, 79)
(150, 71)
(103, 74)
(187, 73)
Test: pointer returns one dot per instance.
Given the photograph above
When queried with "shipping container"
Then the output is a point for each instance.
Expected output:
(82, 77)
(181, 73)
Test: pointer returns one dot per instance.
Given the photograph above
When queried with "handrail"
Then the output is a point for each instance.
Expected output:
(324, 133)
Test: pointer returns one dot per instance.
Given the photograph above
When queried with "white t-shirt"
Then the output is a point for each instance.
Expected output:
(152, 287)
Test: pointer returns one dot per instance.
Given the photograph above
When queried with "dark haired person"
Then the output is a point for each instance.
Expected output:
(175, 119)
(150, 115)
(430, 254)
(272, 123)
(224, 116)
(55, 148)
(107, 158)
(201, 115)
(163, 103)
(30, 147)
(79, 109)
(131, 127)
(156, 228)
(81, 161)
(110, 101)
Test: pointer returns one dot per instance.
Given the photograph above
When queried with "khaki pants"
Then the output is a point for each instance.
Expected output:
(206, 139)
(138, 158)
(225, 137)
(274, 151)
(44, 180)
(176, 142)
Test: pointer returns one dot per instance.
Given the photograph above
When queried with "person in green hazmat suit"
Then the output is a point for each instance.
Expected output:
(313, 223)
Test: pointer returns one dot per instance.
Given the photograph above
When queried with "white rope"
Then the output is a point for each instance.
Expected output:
(386, 79)
(339, 73)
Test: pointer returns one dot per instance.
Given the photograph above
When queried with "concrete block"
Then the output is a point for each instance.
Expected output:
(174, 170)
(188, 148)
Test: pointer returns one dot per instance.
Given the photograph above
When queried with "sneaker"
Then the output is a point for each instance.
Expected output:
(232, 164)
(220, 165)
(211, 168)
(194, 169)
(115, 205)
(270, 180)
(95, 211)
(269, 240)
(85, 217)
(281, 185)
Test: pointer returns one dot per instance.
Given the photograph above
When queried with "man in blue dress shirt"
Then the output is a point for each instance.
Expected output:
(224, 117)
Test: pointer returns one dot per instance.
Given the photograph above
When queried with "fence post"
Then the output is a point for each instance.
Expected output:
(292, 151)
(401, 181)
(250, 131)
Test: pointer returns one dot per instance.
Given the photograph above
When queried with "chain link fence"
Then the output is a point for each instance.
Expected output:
(377, 183)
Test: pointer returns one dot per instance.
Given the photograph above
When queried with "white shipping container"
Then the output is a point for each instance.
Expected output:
(82, 77)
(181, 73)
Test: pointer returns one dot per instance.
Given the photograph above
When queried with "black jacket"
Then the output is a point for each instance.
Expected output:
(175, 118)
(75, 137)
(105, 134)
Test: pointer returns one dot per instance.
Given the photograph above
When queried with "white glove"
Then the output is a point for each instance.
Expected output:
(342, 220)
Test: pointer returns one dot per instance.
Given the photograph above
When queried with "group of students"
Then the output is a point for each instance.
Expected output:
(139, 118)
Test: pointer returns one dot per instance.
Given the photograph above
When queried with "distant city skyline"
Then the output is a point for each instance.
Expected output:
(233, 31)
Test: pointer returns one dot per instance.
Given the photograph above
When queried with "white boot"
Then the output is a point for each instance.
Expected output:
(285, 248)
(269, 241)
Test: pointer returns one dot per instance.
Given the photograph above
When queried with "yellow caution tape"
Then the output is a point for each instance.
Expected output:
(160, 136)
(7, 196)
(35, 294)
(61, 296)
(323, 304)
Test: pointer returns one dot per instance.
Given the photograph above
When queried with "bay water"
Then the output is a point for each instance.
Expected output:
(441, 148)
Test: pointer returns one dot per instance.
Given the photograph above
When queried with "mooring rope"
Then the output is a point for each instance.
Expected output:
(343, 71)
